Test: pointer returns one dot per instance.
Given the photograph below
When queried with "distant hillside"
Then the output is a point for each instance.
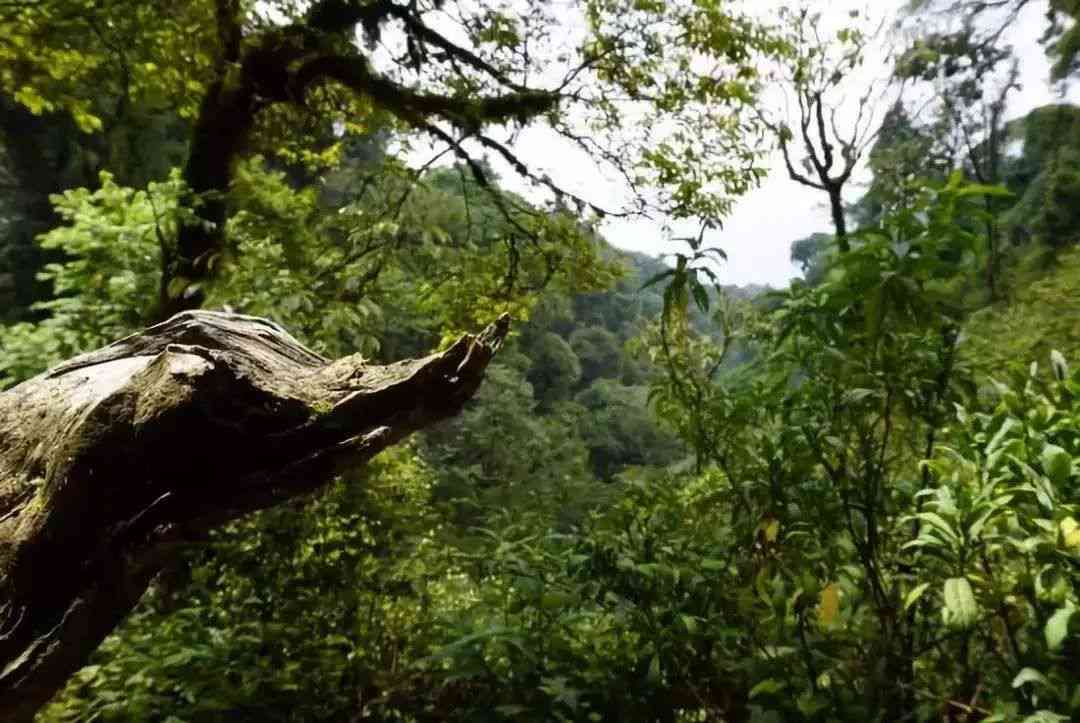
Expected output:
(570, 390)
(1043, 314)
(1042, 264)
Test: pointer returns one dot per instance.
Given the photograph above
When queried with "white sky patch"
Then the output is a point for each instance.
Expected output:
(1014, 148)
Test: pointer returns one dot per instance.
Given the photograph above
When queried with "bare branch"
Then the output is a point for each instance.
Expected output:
(823, 135)
(794, 174)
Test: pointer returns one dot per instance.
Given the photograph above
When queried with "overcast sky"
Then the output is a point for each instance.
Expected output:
(758, 234)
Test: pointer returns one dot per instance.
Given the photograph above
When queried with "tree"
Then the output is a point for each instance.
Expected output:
(518, 462)
(1056, 222)
(599, 352)
(813, 77)
(971, 77)
(106, 284)
(556, 369)
(1063, 37)
(810, 253)
(817, 451)
(1043, 176)
(329, 608)
(505, 454)
(991, 21)
(618, 429)
(40, 156)
(904, 152)
(247, 75)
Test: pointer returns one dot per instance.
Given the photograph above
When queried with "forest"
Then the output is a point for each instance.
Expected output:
(328, 393)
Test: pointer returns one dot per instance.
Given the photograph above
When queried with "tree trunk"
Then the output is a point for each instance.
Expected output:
(223, 124)
(114, 459)
(836, 208)
(991, 250)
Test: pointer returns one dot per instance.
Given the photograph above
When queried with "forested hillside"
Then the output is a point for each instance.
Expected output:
(384, 440)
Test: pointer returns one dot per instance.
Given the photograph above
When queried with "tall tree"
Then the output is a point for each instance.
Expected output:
(814, 83)
(242, 72)
(904, 151)
(810, 253)
(971, 77)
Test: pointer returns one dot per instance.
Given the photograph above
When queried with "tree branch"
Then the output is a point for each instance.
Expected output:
(341, 16)
(823, 134)
(113, 459)
(455, 52)
(470, 114)
(794, 174)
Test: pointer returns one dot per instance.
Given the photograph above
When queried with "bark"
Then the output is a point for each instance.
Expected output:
(221, 129)
(836, 210)
(113, 460)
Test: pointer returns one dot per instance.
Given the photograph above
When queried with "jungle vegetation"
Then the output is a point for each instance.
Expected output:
(856, 498)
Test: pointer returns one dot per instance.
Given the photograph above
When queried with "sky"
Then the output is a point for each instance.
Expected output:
(757, 235)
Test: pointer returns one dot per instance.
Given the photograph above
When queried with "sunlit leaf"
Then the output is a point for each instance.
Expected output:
(916, 592)
(829, 604)
(1056, 463)
(1029, 676)
(768, 686)
(1057, 627)
(961, 610)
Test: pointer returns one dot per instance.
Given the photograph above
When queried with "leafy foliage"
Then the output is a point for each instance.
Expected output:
(670, 501)
(113, 240)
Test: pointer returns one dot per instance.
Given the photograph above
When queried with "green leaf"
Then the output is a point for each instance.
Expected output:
(32, 100)
(767, 687)
(940, 524)
(998, 439)
(916, 593)
(810, 704)
(654, 669)
(961, 610)
(177, 286)
(1056, 463)
(554, 600)
(1029, 675)
(512, 710)
(701, 296)
(1070, 533)
(657, 278)
(859, 395)
(1045, 716)
(978, 189)
(1057, 627)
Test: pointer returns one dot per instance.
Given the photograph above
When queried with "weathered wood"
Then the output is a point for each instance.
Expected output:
(114, 458)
